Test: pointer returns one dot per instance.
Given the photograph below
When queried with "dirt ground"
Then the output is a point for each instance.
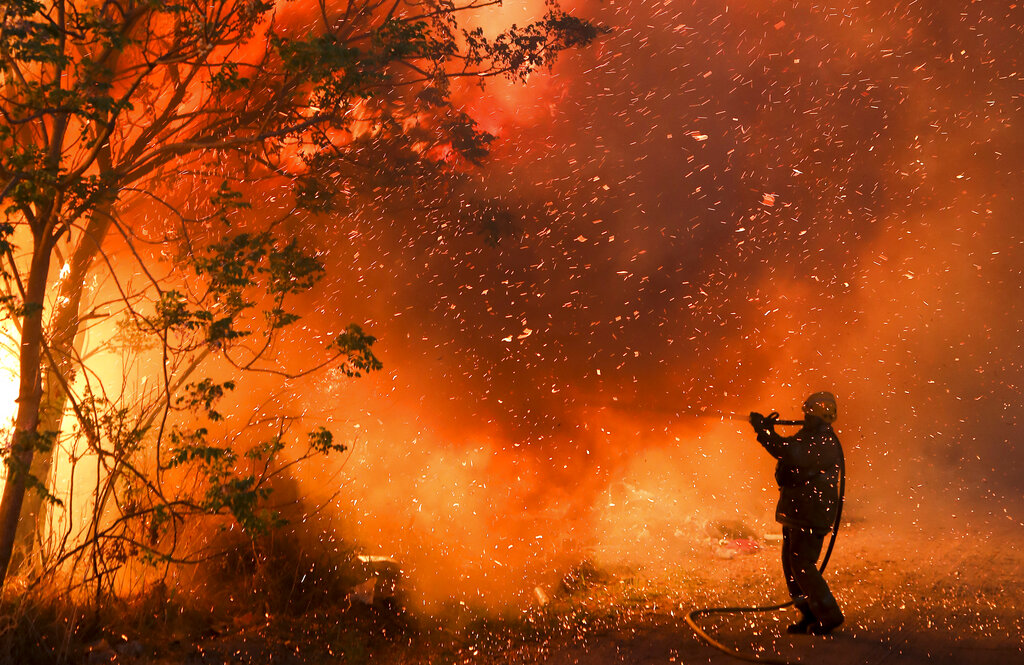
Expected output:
(948, 595)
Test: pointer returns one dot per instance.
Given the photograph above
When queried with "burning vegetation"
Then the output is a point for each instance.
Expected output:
(340, 329)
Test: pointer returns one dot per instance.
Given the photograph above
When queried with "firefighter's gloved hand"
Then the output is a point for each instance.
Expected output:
(764, 426)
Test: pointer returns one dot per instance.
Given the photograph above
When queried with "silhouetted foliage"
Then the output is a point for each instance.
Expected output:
(136, 127)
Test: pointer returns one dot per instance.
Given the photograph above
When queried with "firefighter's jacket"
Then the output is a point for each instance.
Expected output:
(808, 475)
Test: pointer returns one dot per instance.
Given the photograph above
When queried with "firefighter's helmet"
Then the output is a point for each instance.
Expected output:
(822, 405)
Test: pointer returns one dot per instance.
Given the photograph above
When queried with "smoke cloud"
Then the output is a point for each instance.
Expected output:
(719, 208)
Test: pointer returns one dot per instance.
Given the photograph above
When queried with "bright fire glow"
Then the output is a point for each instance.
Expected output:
(8, 383)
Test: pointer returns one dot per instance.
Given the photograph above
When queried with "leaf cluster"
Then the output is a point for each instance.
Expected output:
(106, 105)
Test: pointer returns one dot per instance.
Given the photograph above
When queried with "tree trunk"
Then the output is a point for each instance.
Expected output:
(65, 343)
(26, 424)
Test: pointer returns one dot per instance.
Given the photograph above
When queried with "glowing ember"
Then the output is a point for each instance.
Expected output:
(8, 377)
(719, 208)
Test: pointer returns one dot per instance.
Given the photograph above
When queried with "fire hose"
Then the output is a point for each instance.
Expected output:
(691, 618)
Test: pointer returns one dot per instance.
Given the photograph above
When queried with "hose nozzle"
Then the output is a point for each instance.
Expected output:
(771, 420)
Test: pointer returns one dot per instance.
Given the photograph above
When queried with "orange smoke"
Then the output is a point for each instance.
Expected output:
(732, 210)
(721, 211)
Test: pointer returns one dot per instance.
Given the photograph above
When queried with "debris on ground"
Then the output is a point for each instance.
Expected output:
(381, 580)
(583, 575)
(364, 592)
(730, 538)
(729, 530)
